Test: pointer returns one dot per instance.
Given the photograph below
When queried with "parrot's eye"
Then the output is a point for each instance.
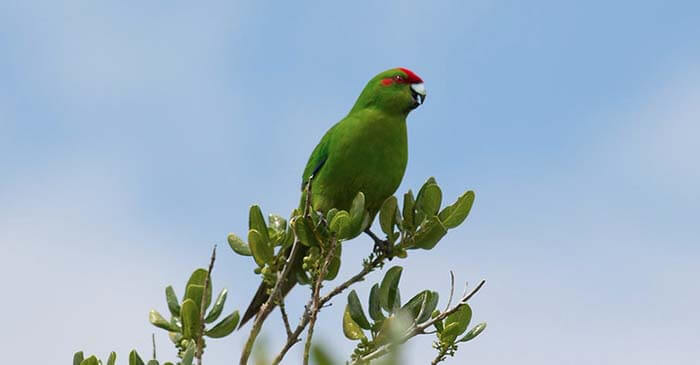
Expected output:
(398, 78)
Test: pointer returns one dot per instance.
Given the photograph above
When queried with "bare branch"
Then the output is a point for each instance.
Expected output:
(285, 318)
(419, 329)
(267, 307)
(452, 289)
(294, 338)
(315, 297)
(202, 305)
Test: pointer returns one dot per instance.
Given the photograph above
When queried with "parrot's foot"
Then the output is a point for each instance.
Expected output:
(381, 247)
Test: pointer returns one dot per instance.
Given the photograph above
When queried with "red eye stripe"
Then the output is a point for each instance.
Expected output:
(387, 81)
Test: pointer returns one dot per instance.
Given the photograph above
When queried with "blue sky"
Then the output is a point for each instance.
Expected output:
(134, 136)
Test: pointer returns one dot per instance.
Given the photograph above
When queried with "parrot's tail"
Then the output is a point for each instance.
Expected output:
(261, 297)
(254, 307)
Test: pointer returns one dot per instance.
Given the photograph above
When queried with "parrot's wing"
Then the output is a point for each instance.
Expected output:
(318, 157)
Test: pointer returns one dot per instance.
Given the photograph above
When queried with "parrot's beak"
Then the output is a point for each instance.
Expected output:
(418, 93)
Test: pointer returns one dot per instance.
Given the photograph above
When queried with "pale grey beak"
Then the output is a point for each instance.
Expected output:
(418, 93)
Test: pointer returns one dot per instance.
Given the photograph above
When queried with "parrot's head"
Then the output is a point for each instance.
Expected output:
(398, 90)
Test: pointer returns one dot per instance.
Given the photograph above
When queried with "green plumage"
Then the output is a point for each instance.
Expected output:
(366, 151)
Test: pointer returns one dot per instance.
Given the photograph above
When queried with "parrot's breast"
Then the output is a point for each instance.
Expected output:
(368, 153)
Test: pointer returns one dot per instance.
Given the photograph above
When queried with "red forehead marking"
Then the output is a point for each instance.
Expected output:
(412, 77)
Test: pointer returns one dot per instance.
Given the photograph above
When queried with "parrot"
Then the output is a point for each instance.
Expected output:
(367, 151)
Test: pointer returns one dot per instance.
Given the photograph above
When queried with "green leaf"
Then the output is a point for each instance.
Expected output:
(456, 323)
(351, 329)
(152, 362)
(304, 231)
(387, 215)
(112, 358)
(190, 319)
(331, 214)
(421, 305)
(171, 299)
(408, 209)
(218, 307)
(134, 358)
(429, 198)
(194, 292)
(92, 360)
(157, 320)
(357, 215)
(198, 277)
(389, 295)
(238, 245)
(429, 234)
(341, 224)
(375, 310)
(188, 356)
(78, 357)
(438, 324)
(225, 327)
(277, 223)
(257, 222)
(455, 214)
(356, 311)
(473, 332)
(262, 252)
(334, 265)
(430, 305)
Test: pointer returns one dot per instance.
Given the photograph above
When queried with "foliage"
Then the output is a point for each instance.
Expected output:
(420, 222)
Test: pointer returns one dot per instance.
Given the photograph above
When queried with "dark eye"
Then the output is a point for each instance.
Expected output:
(398, 78)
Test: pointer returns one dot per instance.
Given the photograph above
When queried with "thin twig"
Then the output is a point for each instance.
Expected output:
(153, 341)
(452, 289)
(316, 298)
(202, 305)
(294, 338)
(285, 318)
(419, 329)
(267, 307)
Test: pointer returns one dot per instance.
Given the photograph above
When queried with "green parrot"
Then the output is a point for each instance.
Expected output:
(366, 151)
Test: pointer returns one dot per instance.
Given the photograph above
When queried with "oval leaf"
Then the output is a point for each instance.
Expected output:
(188, 356)
(134, 358)
(389, 289)
(429, 234)
(357, 215)
(341, 224)
(387, 215)
(430, 305)
(78, 357)
(157, 320)
(455, 214)
(429, 199)
(190, 319)
(408, 210)
(112, 358)
(218, 307)
(375, 310)
(92, 360)
(256, 221)
(414, 305)
(473, 332)
(199, 277)
(456, 323)
(351, 330)
(356, 311)
(262, 252)
(225, 327)
(238, 245)
(171, 299)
